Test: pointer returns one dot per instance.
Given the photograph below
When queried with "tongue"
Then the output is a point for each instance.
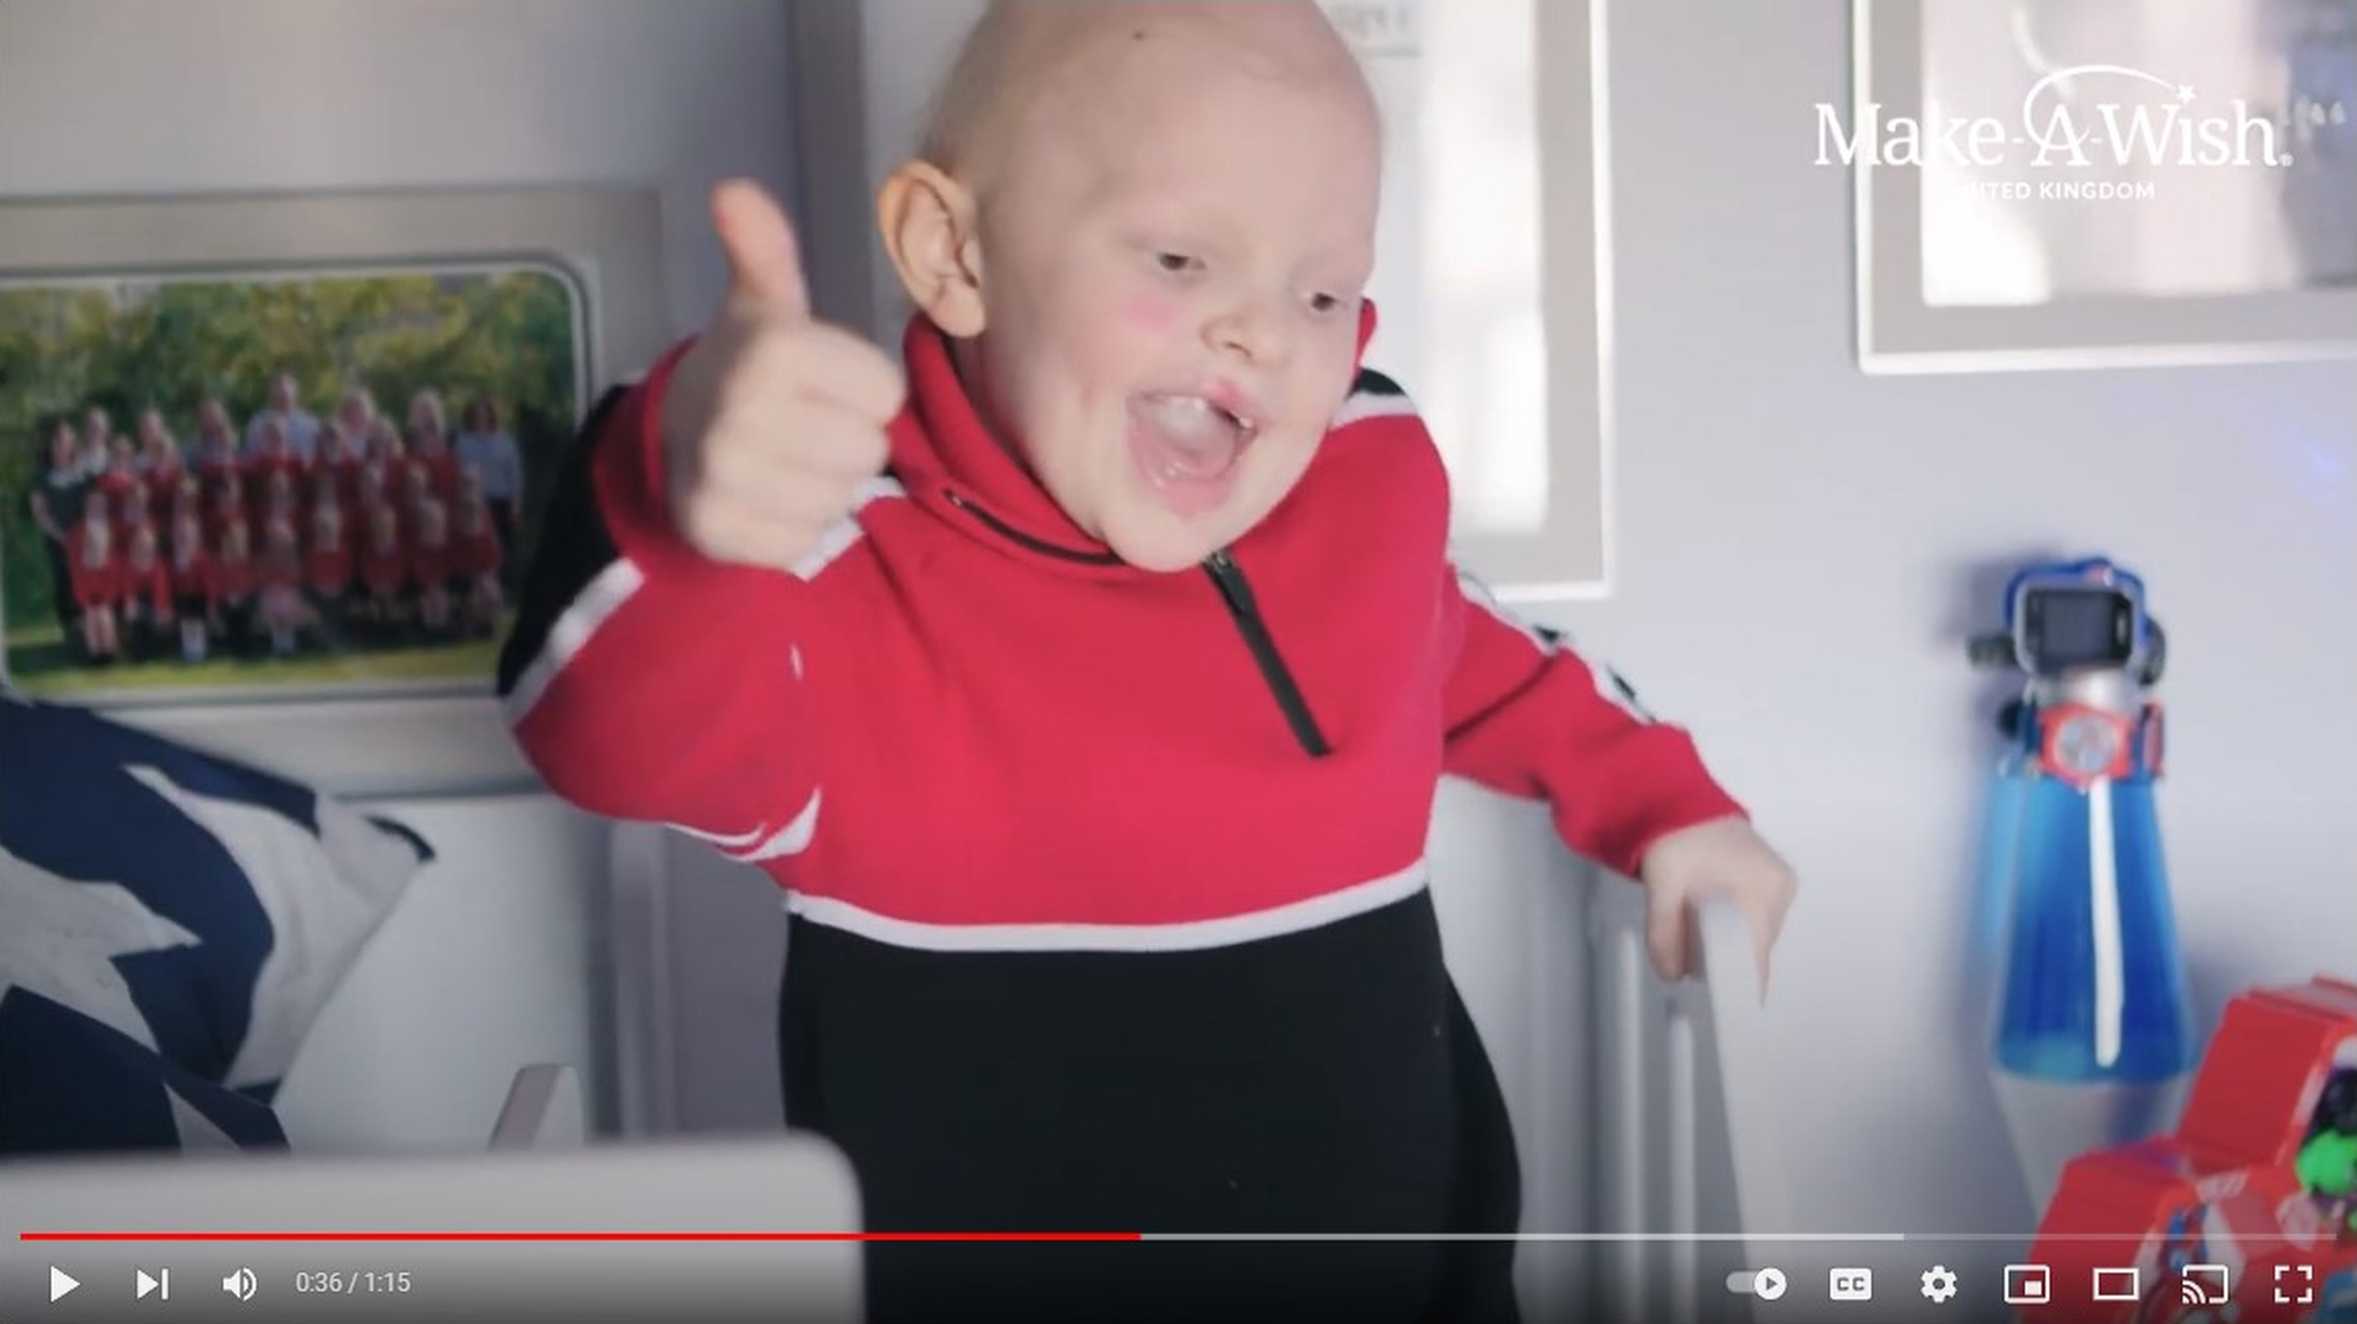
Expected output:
(1194, 442)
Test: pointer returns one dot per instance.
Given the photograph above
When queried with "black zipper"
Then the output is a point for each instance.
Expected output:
(1015, 535)
(1238, 594)
(1233, 590)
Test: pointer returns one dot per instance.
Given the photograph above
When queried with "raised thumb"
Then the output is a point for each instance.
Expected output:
(764, 259)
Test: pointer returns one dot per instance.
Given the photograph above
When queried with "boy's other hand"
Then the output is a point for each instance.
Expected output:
(1720, 858)
(773, 419)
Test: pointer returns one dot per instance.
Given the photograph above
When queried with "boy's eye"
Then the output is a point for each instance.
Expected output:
(1175, 262)
(1324, 303)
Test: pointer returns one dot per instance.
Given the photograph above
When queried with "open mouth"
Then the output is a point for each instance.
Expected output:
(1188, 438)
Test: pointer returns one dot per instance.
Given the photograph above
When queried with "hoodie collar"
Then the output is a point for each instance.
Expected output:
(949, 462)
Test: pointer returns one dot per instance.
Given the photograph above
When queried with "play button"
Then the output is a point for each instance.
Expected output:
(60, 1282)
(1768, 1284)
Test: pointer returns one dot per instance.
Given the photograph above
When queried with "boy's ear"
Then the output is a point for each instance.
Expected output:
(929, 223)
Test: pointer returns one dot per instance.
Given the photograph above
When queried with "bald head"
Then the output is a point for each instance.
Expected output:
(1032, 61)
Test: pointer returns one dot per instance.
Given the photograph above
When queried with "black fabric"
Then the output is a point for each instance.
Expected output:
(574, 547)
(1323, 1081)
(61, 589)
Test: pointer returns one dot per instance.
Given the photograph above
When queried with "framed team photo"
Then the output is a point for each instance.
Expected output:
(271, 464)
(314, 477)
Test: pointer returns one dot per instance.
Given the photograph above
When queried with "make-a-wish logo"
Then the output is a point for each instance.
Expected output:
(2065, 123)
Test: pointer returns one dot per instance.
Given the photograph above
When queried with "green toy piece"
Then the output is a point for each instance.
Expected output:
(2327, 1166)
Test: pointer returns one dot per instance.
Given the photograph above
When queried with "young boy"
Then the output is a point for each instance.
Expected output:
(1094, 742)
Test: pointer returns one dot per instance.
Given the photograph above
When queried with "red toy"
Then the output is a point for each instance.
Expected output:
(2224, 1190)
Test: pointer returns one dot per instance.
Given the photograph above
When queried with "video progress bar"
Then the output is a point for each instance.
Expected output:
(407, 1235)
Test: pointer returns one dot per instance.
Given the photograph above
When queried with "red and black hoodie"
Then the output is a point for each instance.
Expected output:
(1108, 886)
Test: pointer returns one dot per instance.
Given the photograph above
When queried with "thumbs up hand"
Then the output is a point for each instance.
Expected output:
(773, 419)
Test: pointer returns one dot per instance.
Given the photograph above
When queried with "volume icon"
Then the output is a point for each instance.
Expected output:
(240, 1284)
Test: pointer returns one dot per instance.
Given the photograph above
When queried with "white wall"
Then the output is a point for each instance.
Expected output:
(116, 97)
(1802, 550)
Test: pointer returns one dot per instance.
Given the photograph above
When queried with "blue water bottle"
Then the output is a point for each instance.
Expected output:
(2093, 1043)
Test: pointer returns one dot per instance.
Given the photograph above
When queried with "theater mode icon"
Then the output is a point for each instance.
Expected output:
(2119, 1284)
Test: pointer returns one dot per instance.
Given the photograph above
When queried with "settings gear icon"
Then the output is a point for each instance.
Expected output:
(1939, 1284)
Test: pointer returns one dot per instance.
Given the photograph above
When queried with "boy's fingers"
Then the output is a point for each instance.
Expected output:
(838, 367)
(1665, 932)
(764, 260)
(1763, 942)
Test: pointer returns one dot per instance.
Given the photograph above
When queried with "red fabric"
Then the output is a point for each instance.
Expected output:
(279, 569)
(193, 579)
(233, 581)
(1003, 735)
(441, 475)
(218, 518)
(154, 583)
(328, 570)
(384, 572)
(431, 565)
(216, 467)
(163, 480)
(347, 480)
(477, 553)
(258, 473)
(95, 583)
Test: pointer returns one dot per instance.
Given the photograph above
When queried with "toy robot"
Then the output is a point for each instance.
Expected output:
(2244, 1211)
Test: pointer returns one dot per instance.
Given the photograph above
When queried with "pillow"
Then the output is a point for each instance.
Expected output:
(170, 926)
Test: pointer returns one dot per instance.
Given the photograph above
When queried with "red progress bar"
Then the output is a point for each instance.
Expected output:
(579, 1236)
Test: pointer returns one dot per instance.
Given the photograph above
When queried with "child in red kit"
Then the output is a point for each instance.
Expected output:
(192, 581)
(431, 566)
(98, 578)
(144, 616)
(384, 569)
(273, 457)
(279, 575)
(327, 559)
(337, 470)
(228, 512)
(410, 497)
(476, 556)
(429, 445)
(234, 584)
(125, 493)
(214, 455)
(160, 465)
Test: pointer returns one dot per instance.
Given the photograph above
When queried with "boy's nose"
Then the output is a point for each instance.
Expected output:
(1253, 329)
